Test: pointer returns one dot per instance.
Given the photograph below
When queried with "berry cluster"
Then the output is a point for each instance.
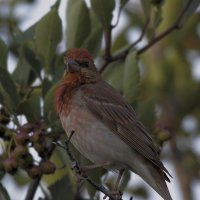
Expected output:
(18, 154)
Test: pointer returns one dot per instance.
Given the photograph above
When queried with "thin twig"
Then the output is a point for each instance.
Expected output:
(175, 26)
(119, 13)
(122, 55)
(108, 41)
(77, 169)
(34, 184)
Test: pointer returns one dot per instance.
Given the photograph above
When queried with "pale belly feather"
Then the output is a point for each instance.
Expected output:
(94, 140)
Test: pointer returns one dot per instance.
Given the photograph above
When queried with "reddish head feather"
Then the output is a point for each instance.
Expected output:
(78, 54)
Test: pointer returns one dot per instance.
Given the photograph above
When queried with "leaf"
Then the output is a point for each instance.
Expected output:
(103, 9)
(31, 107)
(93, 41)
(3, 193)
(191, 10)
(131, 78)
(125, 180)
(49, 110)
(8, 89)
(33, 62)
(22, 71)
(113, 74)
(48, 34)
(146, 5)
(62, 189)
(144, 107)
(3, 54)
(26, 35)
(78, 23)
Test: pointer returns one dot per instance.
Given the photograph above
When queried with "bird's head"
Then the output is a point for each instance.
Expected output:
(80, 62)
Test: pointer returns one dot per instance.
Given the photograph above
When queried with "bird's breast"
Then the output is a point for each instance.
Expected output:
(94, 139)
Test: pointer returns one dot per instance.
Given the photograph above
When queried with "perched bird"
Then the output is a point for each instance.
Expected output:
(106, 129)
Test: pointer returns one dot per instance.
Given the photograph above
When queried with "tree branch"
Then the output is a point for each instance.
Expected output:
(34, 184)
(78, 171)
(124, 53)
(121, 56)
(175, 26)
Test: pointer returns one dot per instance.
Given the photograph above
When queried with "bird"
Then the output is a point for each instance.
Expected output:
(106, 128)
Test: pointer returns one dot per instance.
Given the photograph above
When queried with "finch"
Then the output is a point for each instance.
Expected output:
(106, 129)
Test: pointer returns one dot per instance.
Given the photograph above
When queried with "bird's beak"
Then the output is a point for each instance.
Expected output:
(71, 66)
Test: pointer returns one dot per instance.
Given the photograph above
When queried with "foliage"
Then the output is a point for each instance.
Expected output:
(153, 73)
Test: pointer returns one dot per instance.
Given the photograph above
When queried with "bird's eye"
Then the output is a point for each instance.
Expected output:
(85, 64)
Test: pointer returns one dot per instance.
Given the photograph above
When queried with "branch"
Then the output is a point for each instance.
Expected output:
(78, 171)
(124, 53)
(34, 184)
(175, 26)
(121, 56)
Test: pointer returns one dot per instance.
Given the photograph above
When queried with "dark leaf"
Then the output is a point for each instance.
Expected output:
(8, 89)
(31, 107)
(22, 71)
(193, 7)
(62, 189)
(93, 41)
(48, 34)
(131, 78)
(146, 5)
(78, 23)
(3, 193)
(49, 110)
(3, 54)
(26, 35)
(103, 9)
(114, 75)
(144, 107)
(125, 180)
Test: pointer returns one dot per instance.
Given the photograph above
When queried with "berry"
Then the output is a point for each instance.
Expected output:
(10, 165)
(34, 171)
(47, 167)
(22, 138)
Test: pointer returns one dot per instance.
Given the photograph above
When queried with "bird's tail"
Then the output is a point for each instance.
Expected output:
(155, 177)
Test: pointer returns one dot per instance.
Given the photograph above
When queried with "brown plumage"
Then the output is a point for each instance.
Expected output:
(106, 127)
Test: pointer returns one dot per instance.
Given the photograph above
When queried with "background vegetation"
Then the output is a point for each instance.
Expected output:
(156, 73)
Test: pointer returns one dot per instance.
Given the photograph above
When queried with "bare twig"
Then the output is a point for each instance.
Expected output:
(34, 184)
(77, 169)
(122, 55)
(175, 26)
(119, 13)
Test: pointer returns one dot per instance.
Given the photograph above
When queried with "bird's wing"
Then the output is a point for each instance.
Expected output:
(110, 107)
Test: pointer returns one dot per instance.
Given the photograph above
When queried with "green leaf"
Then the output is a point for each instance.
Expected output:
(62, 188)
(193, 7)
(3, 193)
(146, 5)
(48, 34)
(113, 74)
(125, 180)
(3, 54)
(31, 107)
(8, 89)
(33, 62)
(103, 9)
(144, 107)
(131, 78)
(78, 23)
(22, 71)
(49, 110)
(94, 39)
(26, 35)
